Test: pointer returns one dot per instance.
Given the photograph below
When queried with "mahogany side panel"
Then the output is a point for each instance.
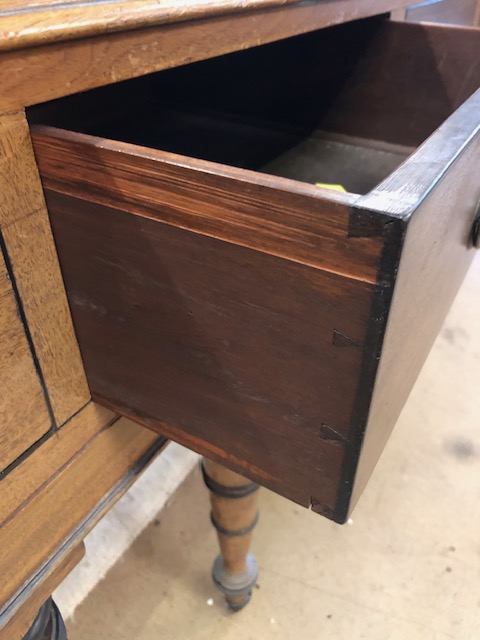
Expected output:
(248, 358)
(441, 206)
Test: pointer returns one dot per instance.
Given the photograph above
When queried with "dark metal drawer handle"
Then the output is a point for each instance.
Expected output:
(476, 229)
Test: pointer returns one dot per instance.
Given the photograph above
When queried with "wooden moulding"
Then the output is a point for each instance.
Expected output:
(43, 73)
(245, 315)
(48, 21)
(62, 503)
(34, 268)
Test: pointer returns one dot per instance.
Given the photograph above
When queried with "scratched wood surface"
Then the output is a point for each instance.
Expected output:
(34, 473)
(223, 365)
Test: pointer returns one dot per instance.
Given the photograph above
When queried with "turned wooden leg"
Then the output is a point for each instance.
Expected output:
(48, 625)
(234, 515)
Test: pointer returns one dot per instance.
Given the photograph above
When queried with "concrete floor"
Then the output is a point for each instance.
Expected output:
(407, 567)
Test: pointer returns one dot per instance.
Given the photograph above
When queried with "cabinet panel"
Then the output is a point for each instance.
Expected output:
(24, 416)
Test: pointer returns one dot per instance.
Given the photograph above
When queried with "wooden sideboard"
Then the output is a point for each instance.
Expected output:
(272, 325)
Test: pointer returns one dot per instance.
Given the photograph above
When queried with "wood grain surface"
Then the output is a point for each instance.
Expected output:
(24, 416)
(178, 255)
(33, 22)
(214, 350)
(409, 80)
(436, 255)
(43, 73)
(34, 267)
(59, 515)
(282, 217)
(35, 472)
(179, 331)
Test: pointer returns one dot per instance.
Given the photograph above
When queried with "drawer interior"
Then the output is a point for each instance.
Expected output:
(343, 105)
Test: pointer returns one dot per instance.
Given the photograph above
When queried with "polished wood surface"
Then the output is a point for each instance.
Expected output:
(24, 415)
(436, 255)
(282, 217)
(43, 21)
(35, 270)
(25, 24)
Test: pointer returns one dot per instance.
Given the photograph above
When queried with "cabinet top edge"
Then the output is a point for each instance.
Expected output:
(27, 23)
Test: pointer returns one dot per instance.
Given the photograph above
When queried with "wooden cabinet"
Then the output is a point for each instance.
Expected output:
(219, 296)
(223, 299)
(24, 415)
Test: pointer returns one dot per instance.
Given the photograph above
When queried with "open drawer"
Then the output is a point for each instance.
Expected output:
(223, 299)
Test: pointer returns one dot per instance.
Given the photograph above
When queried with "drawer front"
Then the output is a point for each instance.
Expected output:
(24, 417)
(245, 315)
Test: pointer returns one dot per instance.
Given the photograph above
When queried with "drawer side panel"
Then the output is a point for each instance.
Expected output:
(244, 356)
(435, 259)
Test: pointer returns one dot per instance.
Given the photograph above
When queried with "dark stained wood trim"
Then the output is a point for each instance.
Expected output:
(434, 220)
